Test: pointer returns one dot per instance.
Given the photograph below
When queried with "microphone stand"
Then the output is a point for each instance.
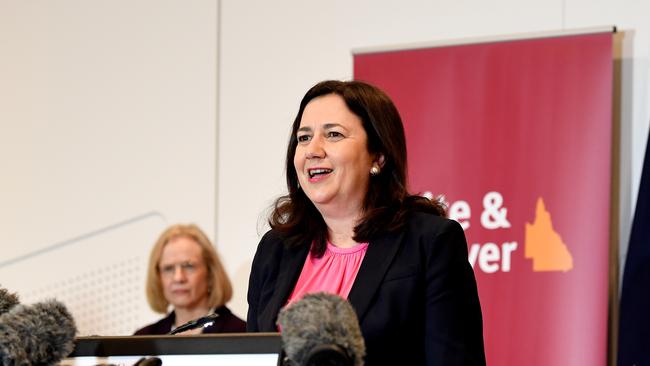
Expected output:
(193, 324)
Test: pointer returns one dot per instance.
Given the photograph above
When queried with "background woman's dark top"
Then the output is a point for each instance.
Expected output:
(227, 322)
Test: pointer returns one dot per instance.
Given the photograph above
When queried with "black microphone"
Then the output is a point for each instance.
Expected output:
(7, 300)
(193, 324)
(143, 361)
(40, 334)
(148, 361)
(321, 329)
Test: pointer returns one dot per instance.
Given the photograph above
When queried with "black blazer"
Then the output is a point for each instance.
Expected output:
(226, 322)
(415, 294)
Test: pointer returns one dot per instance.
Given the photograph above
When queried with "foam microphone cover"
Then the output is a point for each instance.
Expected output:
(148, 361)
(40, 334)
(320, 319)
(7, 300)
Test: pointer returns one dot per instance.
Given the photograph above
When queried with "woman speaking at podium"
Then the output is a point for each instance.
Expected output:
(349, 226)
(186, 273)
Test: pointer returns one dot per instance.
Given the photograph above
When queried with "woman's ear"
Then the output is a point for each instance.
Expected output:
(379, 160)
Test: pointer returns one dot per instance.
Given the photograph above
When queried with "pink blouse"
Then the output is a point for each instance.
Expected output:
(334, 272)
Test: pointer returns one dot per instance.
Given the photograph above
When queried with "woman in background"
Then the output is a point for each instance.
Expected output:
(348, 226)
(186, 273)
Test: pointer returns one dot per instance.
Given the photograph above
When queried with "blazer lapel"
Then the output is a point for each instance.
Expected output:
(376, 262)
(290, 267)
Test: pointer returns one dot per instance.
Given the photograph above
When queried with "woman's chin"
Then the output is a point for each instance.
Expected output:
(181, 302)
(320, 196)
(322, 203)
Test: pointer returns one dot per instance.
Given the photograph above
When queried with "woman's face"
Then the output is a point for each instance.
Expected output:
(184, 274)
(332, 159)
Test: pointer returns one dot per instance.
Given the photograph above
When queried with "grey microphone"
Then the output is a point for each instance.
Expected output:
(40, 334)
(7, 300)
(321, 329)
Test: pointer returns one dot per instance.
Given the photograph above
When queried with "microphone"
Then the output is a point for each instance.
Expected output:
(148, 361)
(7, 300)
(193, 324)
(143, 361)
(321, 329)
(40, 334)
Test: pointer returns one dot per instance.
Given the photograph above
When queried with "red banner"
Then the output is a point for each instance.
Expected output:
(517, 137)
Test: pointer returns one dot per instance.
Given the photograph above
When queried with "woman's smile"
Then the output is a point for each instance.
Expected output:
(318, 174)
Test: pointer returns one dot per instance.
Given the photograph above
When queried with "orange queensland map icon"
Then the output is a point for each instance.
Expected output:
(545, 246)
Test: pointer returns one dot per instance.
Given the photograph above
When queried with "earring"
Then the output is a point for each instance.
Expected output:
(374, 170)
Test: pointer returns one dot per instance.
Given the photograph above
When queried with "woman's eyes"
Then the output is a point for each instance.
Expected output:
(170, 269)
(332, 135)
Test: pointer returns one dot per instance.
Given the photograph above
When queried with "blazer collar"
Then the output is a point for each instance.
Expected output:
(376, 262)
(378, 258)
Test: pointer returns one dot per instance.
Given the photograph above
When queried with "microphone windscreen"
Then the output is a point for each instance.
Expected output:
(320, 319)
(148, 361)
(40, 334)
(7, 300)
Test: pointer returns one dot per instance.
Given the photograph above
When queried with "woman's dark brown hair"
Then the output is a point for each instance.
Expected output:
(387, 202)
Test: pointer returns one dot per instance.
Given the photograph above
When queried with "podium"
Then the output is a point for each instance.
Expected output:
(227, 349)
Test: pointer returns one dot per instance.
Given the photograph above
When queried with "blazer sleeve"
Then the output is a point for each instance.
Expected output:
(254, 283)
(453, 324)
(263, 270)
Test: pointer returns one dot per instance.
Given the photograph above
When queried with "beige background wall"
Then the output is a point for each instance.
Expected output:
(107, 135)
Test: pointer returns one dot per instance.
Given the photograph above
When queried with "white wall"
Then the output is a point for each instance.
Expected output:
(109, 110)
(107, 135)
